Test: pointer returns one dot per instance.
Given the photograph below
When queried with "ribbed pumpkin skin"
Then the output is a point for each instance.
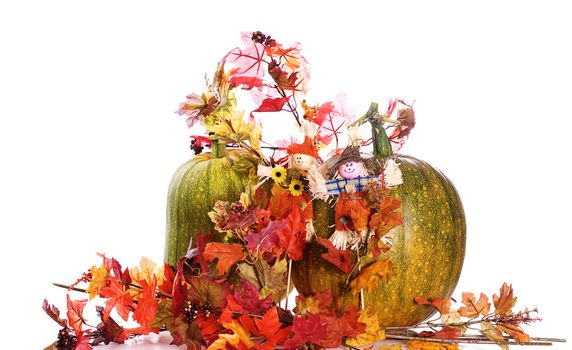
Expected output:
(428, 252)
(193, 191)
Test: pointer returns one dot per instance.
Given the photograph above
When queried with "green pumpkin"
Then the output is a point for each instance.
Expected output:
(193, 192)
(428, 251)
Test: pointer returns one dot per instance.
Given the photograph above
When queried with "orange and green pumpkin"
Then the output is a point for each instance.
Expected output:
(428, 251)
(193, 192)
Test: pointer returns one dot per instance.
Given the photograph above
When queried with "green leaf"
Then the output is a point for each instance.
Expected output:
(164, 316)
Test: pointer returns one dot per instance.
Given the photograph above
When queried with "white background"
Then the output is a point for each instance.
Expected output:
(89, 140)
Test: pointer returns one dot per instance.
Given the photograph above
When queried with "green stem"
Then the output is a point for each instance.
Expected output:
(218, 149)
(381, 144)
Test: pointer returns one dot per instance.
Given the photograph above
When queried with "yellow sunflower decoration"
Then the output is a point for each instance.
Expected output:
(296, 187)
(278, 175)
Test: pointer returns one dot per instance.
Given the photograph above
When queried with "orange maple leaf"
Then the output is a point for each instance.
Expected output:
(474, 307)
(441, 304)
(370, 276)
(386, 216)
(98, 281)
(505, 301)
(227, 255)
(514, 331)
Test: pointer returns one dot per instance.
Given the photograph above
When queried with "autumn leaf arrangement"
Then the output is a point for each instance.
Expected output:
(231, 293)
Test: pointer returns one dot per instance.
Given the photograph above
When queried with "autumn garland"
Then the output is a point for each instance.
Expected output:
(226, 295)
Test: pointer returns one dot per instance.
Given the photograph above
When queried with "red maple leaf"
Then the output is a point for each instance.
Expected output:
(168, 279)
(271, 105)
(448, 333)
(75, 314)
(270, 328)
(293, 237)
(247, 82)
(340, 258)
(146, 305)
(306, 328)
(119, 298)
(347, 325)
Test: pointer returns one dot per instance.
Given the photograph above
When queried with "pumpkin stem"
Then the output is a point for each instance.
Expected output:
(381, 144)
(218, 149)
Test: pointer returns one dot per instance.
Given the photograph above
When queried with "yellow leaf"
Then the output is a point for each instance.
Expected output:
(494, 334)
(98, 281)
(373, 331)
(370, 276)
(239, 335)
(148, 271)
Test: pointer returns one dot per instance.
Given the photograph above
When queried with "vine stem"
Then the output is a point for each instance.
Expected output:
(479, 340)
(75, 289)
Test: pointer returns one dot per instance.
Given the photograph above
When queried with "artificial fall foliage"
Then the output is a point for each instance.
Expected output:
(227, 294)
(205, 309)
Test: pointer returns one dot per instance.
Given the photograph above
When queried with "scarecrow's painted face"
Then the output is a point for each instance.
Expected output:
(351, 170)
(301, 162)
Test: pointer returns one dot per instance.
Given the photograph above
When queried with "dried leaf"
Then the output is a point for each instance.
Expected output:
(443, 305)
(514, 331)
(474, 307)
(494, 334)
(339, 258)
(197, 107)
(504, 302)
(227, 255)
(373, 331)
(369, 277)
(386, 216)
(54, 313)
(448, 332)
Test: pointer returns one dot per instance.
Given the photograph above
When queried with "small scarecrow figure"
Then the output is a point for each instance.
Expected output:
(349, 179)
(290, 185)
(352, 213)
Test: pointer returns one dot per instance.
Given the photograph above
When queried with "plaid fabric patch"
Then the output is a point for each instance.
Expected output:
(338, 186)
